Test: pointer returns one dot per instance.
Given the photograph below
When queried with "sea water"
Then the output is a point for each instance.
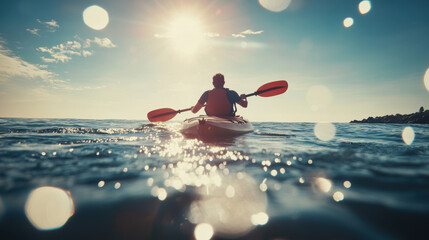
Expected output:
(128, 179)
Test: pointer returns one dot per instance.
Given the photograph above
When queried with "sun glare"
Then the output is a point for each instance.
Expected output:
(186, 33)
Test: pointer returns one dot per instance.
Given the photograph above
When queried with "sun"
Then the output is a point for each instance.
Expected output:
(186, 33)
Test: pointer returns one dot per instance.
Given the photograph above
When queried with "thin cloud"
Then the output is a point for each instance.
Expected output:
(250, 32)
(104, 42)
(51, 25)
(34, 31)
(62, 52)
(101, 42)
(65, 51)
(86, 53)
(42, 65)
(238, 35)
(13, 66)
(246, 32)
(48, 60)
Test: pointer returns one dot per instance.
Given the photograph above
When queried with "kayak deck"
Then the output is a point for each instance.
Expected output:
(205, 127)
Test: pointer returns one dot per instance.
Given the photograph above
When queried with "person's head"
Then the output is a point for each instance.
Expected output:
(218, 80)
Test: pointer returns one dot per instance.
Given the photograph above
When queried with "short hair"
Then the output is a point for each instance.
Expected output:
(218, 80)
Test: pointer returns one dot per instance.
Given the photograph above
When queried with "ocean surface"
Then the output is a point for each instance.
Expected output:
(127, 179)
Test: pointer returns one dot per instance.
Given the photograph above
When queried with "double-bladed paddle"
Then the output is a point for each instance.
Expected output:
(267, 90)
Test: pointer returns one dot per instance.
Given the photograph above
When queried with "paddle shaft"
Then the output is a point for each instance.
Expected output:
(173, 112)
(263, 91)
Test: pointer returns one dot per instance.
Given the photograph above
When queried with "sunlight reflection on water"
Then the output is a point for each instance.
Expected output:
(228, 203)
(49, 208)
(231, 215)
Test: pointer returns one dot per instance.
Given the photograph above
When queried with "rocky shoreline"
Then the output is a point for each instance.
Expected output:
(421, 117)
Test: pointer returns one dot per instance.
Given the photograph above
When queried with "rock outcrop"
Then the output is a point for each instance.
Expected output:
(421, 117)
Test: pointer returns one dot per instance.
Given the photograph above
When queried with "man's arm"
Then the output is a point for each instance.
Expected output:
(197, 107)
(201, 101)
(243, 101)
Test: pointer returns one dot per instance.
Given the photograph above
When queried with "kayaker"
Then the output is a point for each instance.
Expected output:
(220, 101)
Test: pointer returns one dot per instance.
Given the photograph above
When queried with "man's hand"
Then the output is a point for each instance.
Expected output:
(243, 101)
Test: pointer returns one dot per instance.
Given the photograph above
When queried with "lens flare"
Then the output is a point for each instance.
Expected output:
(49, 208)
(275, 5)
(319, 97)
(347, 184)
(426, 79)
(95, 17)
(259, 218)
(230, 191)
(364, 7)
(348, 22)
(323, 184)
(338, 196)
(203, 231)
(408, 135)
(101, 184)
(324, 131)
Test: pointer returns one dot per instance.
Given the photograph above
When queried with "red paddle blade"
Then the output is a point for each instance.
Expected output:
(161, 115)
(272, 88)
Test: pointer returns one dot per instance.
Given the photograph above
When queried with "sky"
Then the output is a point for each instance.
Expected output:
(121, 59)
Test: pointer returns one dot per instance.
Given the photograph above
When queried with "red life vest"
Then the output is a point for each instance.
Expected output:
(218, 103)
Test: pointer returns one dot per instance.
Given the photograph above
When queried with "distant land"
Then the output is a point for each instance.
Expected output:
(421, 117)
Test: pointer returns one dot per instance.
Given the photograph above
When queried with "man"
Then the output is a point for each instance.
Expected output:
(220, 101)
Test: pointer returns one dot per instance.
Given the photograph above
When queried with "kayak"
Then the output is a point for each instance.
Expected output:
(206, 127)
